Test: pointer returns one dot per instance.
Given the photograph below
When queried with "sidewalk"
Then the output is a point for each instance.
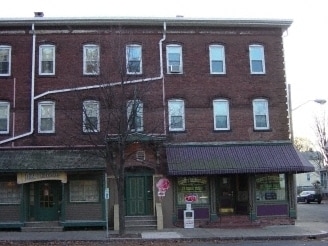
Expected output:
(301, 230)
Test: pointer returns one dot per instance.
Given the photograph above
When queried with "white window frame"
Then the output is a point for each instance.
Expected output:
(256, 54)
(47, 59)
(176, 108)
(174, 66)
(4, 115)
(221, 108)
(217, 54)
(133, 119)
(51, 115)
(261, 108)
(133, 54)
(5, 57)
(91, 59)
(91, 110)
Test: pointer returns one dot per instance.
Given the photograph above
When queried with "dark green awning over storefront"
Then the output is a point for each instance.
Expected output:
(42, 159)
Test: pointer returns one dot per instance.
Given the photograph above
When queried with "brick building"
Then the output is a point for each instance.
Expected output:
(210, 119)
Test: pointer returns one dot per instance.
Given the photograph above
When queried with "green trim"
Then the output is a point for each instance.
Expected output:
(14, 224)
(83, 223)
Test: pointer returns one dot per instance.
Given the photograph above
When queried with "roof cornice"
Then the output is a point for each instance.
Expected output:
(153, 21)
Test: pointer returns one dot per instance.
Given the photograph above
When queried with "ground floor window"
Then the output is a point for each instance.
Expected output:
(193, 189)
(9, 193)
(84, 191)
(270, 187)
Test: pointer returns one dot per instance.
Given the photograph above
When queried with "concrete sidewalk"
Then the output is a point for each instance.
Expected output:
(301, 230)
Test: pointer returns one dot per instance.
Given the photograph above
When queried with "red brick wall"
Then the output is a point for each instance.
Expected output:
(196, 85)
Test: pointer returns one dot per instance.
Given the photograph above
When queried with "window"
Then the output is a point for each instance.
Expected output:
(176, 115)
(221, 115)
(84, 191)
(217, 59)
(46, 120)
(256, 57)
(174, 58)
(192, 189)
(133, 59)
(47, 60)
(9, 193)
(90, 59)
(135, 115)
(91, 116)
(270, 187)
(5, 60)
(261, 114)
(4, 117)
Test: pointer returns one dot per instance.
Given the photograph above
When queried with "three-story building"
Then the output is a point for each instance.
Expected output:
(206, 101)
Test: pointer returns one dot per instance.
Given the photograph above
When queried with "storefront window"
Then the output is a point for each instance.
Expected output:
(193, 189)
(270, 187)
(84, 191)
(9, 193)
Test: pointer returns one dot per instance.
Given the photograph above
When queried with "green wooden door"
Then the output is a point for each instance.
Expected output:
(139, 195)
(47, 197)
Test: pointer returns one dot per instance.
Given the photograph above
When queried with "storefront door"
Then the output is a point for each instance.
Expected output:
(47, 198)
(226, 194)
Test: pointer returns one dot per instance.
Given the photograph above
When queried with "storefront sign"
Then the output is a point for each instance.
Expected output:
(23, 178)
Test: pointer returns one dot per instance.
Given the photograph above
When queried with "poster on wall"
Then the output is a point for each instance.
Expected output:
(162, 185)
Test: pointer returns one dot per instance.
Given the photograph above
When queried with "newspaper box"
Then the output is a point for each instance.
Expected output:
(188, 217)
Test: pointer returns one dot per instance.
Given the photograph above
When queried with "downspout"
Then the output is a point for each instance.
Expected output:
(162, 75)
(32, 95)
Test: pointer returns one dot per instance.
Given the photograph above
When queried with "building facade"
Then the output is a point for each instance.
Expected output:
(207, 110)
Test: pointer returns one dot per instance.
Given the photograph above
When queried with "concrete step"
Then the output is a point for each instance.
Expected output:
(138, 223)
(42, 226)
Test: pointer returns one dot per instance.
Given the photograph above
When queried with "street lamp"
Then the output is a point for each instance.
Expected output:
(320, 101)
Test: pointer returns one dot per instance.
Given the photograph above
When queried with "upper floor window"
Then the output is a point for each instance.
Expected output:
(134, 59)
(4, 117)
(221, 115)
(174, 58)
(217, 59)
(91, 116)
(47, 60)
(256, 59)
(176, 110)
(46, 119)
(135, 115)
(261, 114)
(5, 60)
(90, 59)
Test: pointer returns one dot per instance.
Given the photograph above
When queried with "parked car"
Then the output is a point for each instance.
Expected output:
(308, 196)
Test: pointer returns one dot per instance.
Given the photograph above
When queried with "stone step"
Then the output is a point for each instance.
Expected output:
(42, 226)
(139, 223)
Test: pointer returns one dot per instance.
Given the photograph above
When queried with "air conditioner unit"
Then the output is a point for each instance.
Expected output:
(174, 69)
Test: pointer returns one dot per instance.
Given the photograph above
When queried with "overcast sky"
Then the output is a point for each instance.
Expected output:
(306, 48)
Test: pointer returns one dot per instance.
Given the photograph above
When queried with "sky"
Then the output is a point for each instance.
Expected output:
(305, 42)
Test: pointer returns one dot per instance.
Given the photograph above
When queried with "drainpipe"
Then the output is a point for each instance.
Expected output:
(162, 75)
(32, 95)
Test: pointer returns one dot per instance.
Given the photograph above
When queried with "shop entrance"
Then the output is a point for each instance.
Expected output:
(45, 197)
(232, 194)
